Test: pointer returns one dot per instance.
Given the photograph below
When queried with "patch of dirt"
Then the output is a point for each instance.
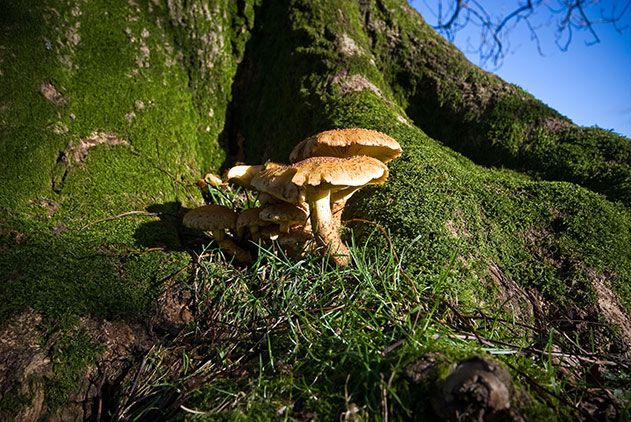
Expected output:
(13, 236)
(352, 83)
(172, 310)
(97, 393)
(457, 226)
(24, 366)
(403, 120)
(51, 93)
(72, 34)
(59, 229)
(579, 318)
(58, 128)
(49, 205)
(526, 305)
(143, 52)
(610, 306)
(555, 124)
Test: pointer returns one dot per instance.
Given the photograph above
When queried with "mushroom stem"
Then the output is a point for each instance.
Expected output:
(337, 208)
(324, 229)
(338, 202)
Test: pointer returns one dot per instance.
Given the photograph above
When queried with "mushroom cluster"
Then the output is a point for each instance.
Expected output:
(303, 200)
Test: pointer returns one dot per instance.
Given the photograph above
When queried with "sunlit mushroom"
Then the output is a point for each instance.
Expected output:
(242, 174)
(249, 219)
(313, 180)
(284, 214)
(345, 143)
(217, 219)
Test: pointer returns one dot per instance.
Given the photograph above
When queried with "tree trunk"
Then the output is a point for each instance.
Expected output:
(110, 113)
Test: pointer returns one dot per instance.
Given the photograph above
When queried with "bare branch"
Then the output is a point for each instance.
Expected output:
(454, 16)
(569, 15)
(586, 22)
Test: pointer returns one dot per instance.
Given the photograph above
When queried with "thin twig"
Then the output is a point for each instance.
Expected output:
(116, 217)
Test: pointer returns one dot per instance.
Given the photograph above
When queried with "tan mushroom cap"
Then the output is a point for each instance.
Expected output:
(345, 143)
(267, 199)
(242, 174)
(289, 183)
(215, 218)
(249, 219)
(284, 214)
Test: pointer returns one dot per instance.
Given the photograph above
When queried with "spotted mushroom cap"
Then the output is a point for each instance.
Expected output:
(242, 174)
(250, 218)
(283, 213)
(210, 217)
(347, 142)
(289, 183)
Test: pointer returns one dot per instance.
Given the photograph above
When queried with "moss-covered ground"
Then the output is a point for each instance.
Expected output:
(186, 87)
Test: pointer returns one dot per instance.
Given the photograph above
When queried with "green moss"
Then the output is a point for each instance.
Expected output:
(12, 401)
(214, 86)
(71, 356)
(86, 274)
(481, 116)
(119, 72)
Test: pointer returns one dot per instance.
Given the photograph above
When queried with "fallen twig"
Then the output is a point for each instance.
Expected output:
(116, 217)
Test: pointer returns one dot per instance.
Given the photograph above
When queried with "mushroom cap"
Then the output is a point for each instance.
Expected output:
(250, 218)
(242, 174)
(267, 199)
(210, 217)
(345, 143)
(289, 183)
(283, 213)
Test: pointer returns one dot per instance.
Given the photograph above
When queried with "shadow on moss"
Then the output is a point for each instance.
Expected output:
(75, 273)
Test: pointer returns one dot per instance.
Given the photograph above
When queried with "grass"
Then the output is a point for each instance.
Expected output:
(291, 339)
(290, 334)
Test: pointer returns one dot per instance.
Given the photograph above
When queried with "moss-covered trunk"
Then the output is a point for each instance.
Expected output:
(109, 113)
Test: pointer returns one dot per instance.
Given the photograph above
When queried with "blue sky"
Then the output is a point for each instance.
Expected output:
(590, 84)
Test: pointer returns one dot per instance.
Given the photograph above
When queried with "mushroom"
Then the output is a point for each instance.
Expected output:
(296, 241)
(313, 180)
(242, 174)
(217, 219)
(270, 232)
(211, 180)
(249, 219)
(284, 214)
(213, 218)
(345, 143)
(267, 199)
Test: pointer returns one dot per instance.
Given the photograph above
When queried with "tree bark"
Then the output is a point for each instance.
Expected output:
(110, 113)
